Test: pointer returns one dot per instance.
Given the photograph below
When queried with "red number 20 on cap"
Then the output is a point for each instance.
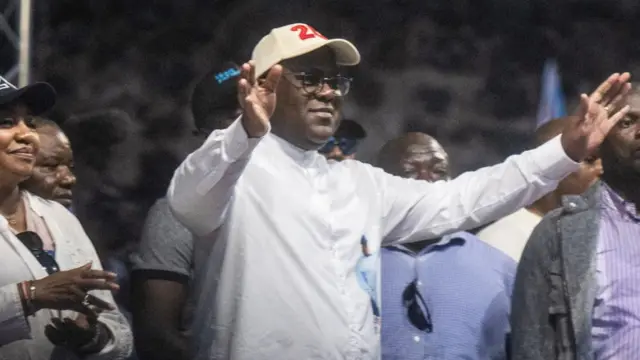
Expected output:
(306, 32)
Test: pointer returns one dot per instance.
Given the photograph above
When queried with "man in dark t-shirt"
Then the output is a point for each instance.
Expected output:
(165, 263)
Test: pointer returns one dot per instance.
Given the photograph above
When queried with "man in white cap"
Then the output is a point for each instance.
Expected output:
(290, 228)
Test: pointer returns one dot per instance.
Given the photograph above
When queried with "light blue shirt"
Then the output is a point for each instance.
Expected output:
(466, 285)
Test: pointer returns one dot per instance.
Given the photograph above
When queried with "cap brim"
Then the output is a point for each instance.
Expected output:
(38, 98)
(346, 55)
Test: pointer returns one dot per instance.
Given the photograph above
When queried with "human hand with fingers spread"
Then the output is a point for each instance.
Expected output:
(596, 115)
(257, 98)
(68, 290)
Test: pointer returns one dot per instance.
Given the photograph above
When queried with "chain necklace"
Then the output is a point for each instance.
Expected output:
(11, 219)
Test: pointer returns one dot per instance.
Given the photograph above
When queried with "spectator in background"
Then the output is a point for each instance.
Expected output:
(415, 156)
(53, 177)
(576, 294)
(510, 234)
(164, 265)
(213, 103)
(344, 144)
(54, 298)
(444, 298)
(95, 137)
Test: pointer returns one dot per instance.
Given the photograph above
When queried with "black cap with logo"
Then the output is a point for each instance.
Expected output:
(350, 129)
(215, 93)
(39, 97)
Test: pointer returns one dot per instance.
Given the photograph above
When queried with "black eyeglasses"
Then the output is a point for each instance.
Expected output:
(314, 81)
(33, 242)
(414, 303)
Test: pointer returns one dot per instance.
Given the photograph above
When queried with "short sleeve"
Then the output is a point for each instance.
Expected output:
(166, 245)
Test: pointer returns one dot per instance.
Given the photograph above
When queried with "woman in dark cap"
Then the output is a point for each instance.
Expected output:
(55, 301)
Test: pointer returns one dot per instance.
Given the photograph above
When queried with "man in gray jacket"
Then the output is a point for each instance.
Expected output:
(577, 290)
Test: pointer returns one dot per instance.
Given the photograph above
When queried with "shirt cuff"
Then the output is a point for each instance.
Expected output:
(552, 161)
(236, 142)
(15, 325)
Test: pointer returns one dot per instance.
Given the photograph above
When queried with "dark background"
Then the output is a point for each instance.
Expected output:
(465, 71)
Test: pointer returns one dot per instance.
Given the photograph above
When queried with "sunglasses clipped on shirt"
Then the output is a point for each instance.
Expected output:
(347, 146)
(33, 242)
(414, 302)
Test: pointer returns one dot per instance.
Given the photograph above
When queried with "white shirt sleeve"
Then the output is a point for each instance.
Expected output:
(13, 323)
(203, 185)
(417, 210)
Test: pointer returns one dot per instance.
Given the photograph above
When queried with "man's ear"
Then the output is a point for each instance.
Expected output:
(597, 166)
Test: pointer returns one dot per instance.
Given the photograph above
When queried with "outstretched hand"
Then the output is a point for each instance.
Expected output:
(257, 98)
(596, 115)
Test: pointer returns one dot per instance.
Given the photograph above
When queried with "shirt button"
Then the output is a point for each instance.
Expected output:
(416, 338)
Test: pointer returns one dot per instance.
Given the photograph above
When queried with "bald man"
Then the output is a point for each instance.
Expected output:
(53, 177)
(415, 156)
(445, 298)
(510, 234)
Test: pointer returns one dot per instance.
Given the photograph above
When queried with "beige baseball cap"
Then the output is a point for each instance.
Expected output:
(293, 40)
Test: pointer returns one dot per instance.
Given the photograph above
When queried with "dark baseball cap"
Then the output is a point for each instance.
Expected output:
(39, 97)
(350, 129)
(215, 93)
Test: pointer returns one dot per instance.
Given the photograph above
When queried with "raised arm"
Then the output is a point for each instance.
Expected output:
(416, 210)
(203, 185)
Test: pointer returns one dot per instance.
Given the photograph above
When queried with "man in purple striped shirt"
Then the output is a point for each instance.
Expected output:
(577, 290)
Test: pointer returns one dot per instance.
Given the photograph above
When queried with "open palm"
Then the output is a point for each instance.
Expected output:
(257, 98)
(596, 115)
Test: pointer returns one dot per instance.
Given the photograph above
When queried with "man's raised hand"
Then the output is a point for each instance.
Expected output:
(596, 115)
(257, 98)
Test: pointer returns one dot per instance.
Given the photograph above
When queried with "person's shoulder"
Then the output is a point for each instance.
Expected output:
(161, 207)
(161, 224)
(474, 243)
(160, 213)
(479, 250)
(357, 168)
(503, 225)
(49, 208)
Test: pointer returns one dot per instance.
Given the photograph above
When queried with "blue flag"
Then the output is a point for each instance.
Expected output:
(552, 102)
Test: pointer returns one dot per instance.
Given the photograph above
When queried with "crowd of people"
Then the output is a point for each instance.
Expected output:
(275, 242)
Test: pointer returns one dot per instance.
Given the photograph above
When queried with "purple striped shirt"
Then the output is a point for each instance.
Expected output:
(616, 313)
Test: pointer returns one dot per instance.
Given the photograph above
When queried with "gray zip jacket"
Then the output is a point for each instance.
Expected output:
(555, 287)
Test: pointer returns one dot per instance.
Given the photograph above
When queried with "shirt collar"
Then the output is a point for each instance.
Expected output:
(613, 201)
(305, 158)
(455, 239)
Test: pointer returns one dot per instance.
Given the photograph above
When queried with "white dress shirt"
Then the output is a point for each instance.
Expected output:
(297, 238)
